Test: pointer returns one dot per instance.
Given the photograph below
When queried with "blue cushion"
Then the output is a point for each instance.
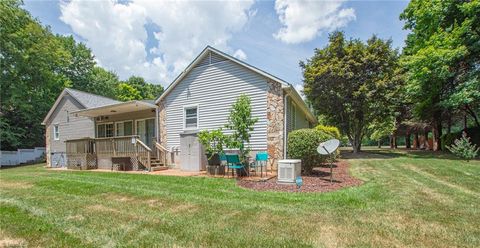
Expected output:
(235, 166)
(232, 158)
(261, 156)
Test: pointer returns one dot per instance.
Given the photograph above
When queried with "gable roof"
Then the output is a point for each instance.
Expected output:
(285, 85)
(90, 100)
(202, 55)
(85, 99)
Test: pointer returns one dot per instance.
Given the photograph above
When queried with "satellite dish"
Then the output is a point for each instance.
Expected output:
(328, 147)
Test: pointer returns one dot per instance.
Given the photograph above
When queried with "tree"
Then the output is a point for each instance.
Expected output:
(126, 92)
(103, 82)
(36, 66)
(380, 129)
(349, 83)
(146, 90)
(441, 57)
(241, 123)
(31, 60)
(81, 64)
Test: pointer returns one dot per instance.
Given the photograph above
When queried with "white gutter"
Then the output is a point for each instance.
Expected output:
(292, 92)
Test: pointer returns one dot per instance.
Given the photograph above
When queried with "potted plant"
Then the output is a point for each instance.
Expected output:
(213, 142)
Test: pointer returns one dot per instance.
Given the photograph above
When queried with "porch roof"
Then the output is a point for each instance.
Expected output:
(118, 108)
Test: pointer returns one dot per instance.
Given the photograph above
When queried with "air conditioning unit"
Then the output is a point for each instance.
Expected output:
(288, 170)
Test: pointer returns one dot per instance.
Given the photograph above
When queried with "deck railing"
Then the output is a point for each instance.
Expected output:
(143, 153)
(123, 146)
(162, 153)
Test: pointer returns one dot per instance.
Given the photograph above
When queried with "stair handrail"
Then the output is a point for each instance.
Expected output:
(161, 149)
(149, 151)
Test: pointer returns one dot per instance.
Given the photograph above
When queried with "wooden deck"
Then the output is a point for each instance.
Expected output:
(115, 153)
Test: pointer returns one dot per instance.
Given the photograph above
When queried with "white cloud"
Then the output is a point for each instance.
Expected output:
(117, 36)
(303, 20)
(240, 54)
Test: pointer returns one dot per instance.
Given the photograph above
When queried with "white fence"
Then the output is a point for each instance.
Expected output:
(21, 156)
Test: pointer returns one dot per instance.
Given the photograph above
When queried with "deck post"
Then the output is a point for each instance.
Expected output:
(149, 162)
(113, 146)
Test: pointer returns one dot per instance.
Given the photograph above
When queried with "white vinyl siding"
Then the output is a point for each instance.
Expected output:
(214, 88)
(77, 126)
(296, 118)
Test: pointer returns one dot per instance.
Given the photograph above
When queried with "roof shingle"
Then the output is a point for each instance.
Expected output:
(90, 100)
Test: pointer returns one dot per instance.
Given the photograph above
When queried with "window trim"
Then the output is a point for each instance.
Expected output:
(143, 119)
(184, 118)
(115, 127)
(105, 123)
(56, 132)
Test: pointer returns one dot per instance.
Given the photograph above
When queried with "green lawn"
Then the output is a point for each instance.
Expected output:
(415, 200)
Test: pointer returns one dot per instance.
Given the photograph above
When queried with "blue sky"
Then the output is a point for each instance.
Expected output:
(157, 40)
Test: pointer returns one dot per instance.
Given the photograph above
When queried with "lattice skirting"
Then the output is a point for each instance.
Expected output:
(81, 161)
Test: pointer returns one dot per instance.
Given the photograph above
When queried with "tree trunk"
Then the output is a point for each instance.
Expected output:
(474, 116)
(417, 141)
(449, 124)
(356, 146)
(437, 131)
(379, 143)
(393, 141)
(407, 140)
(356, 141)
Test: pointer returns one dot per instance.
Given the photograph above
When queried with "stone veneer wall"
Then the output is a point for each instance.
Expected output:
(162, 123)
(275, 114)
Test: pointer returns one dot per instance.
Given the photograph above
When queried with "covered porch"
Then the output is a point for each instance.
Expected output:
(125, 139)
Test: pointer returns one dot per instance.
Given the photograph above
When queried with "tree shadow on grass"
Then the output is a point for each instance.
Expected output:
(387, 153)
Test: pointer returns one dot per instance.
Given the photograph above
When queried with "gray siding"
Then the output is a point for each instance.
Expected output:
(214, 88)
(71, 128)
(210, 58)
(296, 118)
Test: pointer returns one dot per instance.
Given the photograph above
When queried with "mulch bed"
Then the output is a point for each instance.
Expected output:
(319, 181)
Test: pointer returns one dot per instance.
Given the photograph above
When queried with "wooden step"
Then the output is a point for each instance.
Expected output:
(159, 168)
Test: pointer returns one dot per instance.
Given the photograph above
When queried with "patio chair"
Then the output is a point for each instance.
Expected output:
(261, 159)
(234, 164)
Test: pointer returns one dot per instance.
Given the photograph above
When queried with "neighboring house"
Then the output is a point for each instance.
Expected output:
(61, 125)
(143, 135)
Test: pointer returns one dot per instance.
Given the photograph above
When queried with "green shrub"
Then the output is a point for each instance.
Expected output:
(463, 148)
(213, 141)
(473, 133)
(302, 144)
(330, 130)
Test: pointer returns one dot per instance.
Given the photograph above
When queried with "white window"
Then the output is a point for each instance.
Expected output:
(105, 130)
(124, 128)
(56, 132)
(190, 117)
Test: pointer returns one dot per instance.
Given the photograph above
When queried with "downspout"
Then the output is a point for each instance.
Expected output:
(157, 126)
(285, 126)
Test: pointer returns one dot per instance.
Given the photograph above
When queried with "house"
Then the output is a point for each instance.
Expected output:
(162, 133)
(61, 125)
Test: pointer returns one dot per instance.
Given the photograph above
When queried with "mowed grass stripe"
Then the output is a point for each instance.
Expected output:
(395, 207)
